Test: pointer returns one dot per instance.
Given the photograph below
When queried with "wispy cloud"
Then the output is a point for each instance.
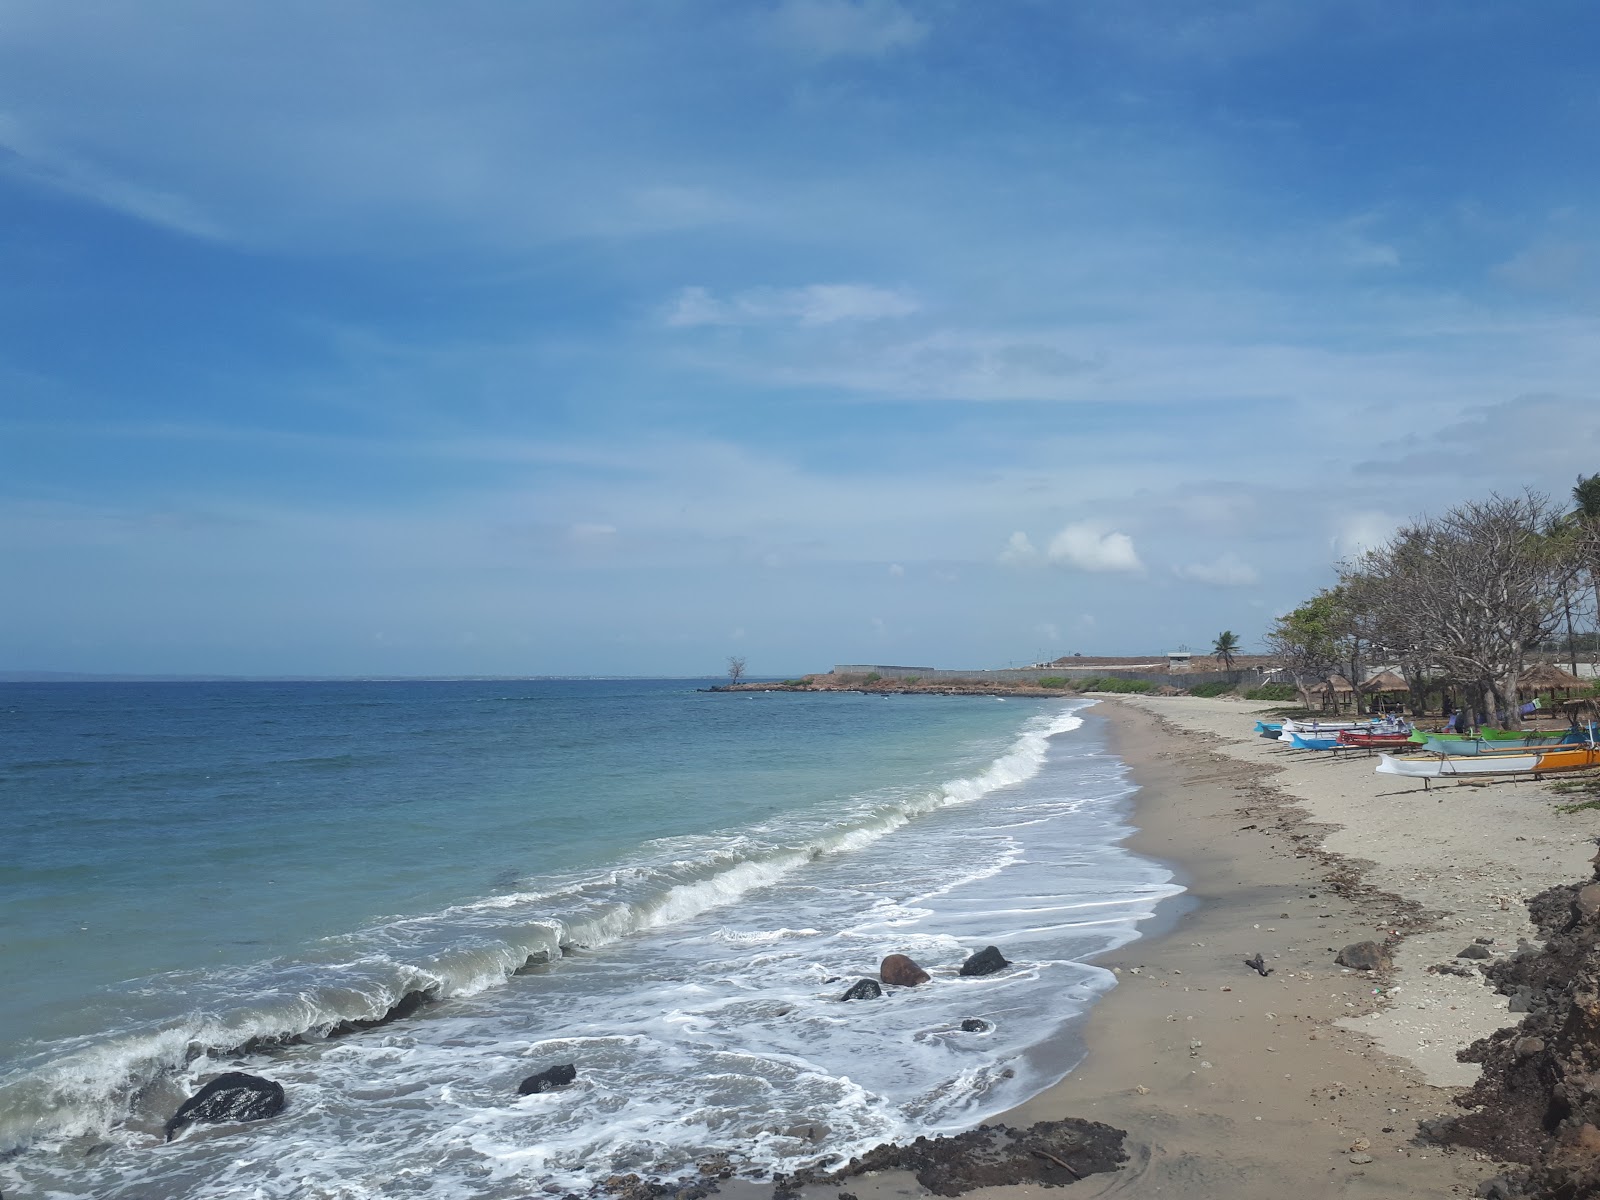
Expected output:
(814, 304)
(846, 28)
(28, 157)
(1228, 570)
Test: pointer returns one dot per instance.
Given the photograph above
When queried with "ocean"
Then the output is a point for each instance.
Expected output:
(667, 888)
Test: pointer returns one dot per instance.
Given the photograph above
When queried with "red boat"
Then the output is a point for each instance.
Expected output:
(1357, 737)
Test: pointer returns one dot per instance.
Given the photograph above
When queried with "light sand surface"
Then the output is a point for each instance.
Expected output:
(1308, 1082)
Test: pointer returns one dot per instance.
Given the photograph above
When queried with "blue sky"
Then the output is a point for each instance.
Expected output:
(612, 337)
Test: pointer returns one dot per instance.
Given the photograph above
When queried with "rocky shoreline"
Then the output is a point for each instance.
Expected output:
(1312, 1003)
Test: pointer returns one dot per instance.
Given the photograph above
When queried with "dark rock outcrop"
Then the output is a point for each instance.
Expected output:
(865, 989)
(408, 1005)
(1538, 1100)
(975, 1025)
(1363, 956)
(985, 962)
(234, 1096)
(552, 1077)
(900, 971)
(1051, 1153)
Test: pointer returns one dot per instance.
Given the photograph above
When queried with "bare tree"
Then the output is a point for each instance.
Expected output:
(735, 668)
(1471, 590)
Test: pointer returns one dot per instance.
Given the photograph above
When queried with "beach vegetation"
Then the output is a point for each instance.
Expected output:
(1225, 648)
(1220, 687)
(911, 679)
(1312, 641)
(1112, 683)
(1469, 592)
(873, 678)
(1053, 681)
(1272, 692)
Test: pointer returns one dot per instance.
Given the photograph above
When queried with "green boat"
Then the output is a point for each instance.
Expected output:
(1524, 737)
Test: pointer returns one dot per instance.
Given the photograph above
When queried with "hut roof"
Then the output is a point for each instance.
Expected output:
(1386, 681)
(1335, 683)
(1548, 675)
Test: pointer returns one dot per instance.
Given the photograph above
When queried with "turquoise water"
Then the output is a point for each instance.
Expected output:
(683, 879)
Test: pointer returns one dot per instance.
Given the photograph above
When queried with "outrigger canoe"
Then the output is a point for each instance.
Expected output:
(1475, 747)
(1524, 762)
(1360, 737)
(1304, 741)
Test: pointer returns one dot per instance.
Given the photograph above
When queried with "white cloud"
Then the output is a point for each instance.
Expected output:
(1229, 570)
(1019, 551)
(830, 28)
(1089, 546)
(816, 304)
(1049, 630)
(591, 531)
(1357, 532)
(897, 571)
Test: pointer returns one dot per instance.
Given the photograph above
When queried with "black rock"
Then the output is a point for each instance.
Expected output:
(408, 1005)
(1474, 951)
(985, 962)
(1436, 1129)
(866, 989)
(975, 1025)
(234, 1096)
(1521, 1000)
(545, 1080)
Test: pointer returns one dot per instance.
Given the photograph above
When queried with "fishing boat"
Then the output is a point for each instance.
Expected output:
(1517, 762)
(1318, 731)
(1444, 744)
(1319, 728)
(1305, 741)
(1373, 738)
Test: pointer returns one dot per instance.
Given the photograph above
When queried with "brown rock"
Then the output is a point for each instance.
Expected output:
(900, 971)
(1363, 956)
(1588, 899)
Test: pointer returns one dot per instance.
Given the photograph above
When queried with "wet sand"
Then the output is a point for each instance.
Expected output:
(1309, 1081)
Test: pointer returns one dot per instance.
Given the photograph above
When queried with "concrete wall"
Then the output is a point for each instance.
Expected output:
(1187, 679)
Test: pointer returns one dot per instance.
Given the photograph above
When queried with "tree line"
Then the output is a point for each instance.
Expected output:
(1456, 601)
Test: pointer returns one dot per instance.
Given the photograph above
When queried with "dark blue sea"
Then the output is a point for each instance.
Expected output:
(668, 888)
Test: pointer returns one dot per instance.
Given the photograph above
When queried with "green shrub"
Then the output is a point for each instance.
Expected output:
(873, 678)
(1111, 683)
(911, 679)
(1273, 691)
(1219, 688)
(1052, 681)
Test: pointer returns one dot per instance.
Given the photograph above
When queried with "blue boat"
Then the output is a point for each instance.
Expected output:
(1301, 742)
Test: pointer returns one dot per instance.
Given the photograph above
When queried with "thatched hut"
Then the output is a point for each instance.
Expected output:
(1547, 677)
(1334, 691)
(1386, 683)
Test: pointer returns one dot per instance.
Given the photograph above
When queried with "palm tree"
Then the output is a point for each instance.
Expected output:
(1225, 647)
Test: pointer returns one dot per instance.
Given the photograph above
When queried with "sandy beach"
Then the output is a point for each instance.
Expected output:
(1309, 1080)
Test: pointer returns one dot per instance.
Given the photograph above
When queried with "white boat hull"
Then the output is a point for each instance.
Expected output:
(1440, 767)
(1527, 762)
